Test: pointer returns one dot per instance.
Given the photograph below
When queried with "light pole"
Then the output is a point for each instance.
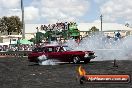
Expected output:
(101, 21)
(23, 24)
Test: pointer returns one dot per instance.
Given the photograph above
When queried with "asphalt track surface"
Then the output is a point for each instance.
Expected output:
(19, 73)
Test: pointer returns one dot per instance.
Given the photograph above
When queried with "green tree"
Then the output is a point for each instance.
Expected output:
(93, 30)
(127, 25)
(3, 24)
(33, 40)
(10, 24)
(39, 37)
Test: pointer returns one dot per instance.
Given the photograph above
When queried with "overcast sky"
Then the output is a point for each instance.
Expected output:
(50, 11)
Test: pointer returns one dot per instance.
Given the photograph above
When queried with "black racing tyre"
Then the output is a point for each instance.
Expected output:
(82, 80)
(87, 61)
(37, 60)
(76, 59)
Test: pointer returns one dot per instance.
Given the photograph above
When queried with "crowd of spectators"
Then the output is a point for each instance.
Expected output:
(21, 47)
(57, 26)
(16, 47)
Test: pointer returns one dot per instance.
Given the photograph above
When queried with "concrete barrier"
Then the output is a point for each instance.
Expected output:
(14, 54)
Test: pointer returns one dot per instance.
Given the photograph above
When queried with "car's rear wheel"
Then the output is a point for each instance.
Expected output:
(37, 60)
(87, 61)
(76, 59)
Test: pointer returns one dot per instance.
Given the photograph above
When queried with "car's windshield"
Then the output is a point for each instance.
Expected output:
(66, 48)
(38, 49)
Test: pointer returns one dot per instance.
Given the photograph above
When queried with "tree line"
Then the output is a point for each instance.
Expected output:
(10, 24)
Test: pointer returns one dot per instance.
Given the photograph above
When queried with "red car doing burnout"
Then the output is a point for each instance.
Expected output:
(61, 53)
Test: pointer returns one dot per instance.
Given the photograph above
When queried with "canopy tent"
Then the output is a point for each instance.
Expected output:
(13, 42)
(24, 41)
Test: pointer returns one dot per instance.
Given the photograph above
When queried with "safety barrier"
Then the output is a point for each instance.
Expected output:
(14, 54)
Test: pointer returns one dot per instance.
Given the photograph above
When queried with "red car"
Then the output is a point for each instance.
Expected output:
(61, 53)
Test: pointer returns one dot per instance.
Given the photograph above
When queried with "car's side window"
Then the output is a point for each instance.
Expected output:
(53, 49)
(43, 49)
(37, 49)
(61, 49)
(57, 49)
(46, 50)
(40, 50)
(49, 49)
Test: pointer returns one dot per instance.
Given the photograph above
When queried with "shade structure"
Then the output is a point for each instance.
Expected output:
(24, 41)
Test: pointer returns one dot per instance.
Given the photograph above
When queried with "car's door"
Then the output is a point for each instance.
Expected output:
(49, 51)
(37, 52)
(56, 54)
(60, 54)
(65, 55)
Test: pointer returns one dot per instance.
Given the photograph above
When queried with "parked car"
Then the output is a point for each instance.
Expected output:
(61, 53)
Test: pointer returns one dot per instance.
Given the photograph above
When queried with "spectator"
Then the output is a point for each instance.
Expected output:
(118, 35)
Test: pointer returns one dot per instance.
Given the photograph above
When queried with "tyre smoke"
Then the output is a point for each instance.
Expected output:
(105, 48)
(44, 61)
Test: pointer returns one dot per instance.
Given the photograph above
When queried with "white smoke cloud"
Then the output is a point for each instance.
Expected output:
(104, 48)
(44, 61)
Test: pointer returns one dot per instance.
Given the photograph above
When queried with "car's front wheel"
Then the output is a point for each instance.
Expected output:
(87, 61)
(76, 59)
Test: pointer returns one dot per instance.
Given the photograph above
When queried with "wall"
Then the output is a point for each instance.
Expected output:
(28, 36)
(83, 33)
